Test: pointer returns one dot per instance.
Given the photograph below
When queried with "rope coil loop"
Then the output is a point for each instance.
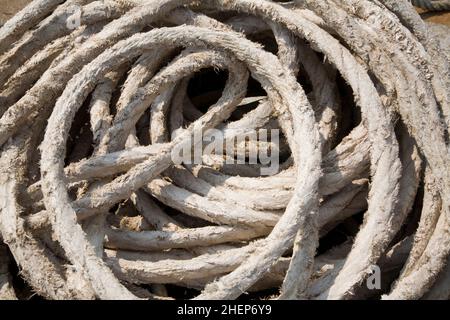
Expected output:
(316, 135)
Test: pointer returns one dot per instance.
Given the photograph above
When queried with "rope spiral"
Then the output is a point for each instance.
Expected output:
(96, 96)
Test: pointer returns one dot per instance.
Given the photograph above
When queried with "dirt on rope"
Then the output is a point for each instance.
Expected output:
(173, 149)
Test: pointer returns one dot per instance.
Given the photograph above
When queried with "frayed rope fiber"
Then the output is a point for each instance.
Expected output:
(348, 99)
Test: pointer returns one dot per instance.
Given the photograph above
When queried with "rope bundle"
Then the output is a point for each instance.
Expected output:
(436, 5)
(93, 205)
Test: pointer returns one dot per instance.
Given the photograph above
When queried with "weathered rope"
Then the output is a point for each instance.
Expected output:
(93, 204)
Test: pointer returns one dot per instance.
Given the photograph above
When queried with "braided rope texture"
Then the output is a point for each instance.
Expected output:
(345, 101)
